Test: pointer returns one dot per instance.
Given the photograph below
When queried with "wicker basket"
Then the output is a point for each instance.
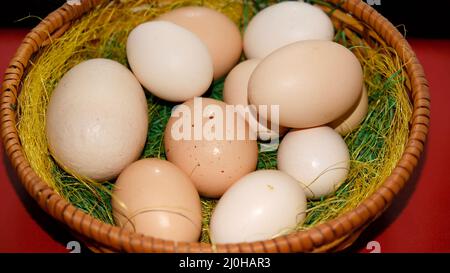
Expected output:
(330, 236)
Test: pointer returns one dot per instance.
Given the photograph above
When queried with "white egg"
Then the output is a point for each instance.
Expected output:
(169, 60)
(261, 205)
(96, 120)
(316, 157)
(285, 23)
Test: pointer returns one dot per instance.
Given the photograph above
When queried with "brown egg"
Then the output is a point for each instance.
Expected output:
(354, 116)
(217, 31)
(213, 159)
(155, 198)
(235, 92)
(313, 82)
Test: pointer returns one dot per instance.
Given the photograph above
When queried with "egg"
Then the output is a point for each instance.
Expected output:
(316, 157)
(354, 116)
(155, 198)
(313, 82)
(236, 82)
(235, 93)
(214, 155)
(285, 23)
(217, 31)
(96, 120)
(169, 60)
(260, 206)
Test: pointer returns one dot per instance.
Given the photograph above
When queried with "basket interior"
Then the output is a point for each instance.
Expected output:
(375, 147)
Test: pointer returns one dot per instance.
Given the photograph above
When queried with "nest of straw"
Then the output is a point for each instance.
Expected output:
(374, 147)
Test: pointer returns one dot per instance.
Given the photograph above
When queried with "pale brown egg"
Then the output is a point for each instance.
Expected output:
(313, 82)
(211, 153)
(155, 198)
(354, 116)
(217, 31)
(235, 92)
(236, 83)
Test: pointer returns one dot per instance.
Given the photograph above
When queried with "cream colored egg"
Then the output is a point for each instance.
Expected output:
(260, 206)
(235, 92)
(155, 198)
(285, 23)
(316, 157)
(96, 120)
(214, 155)
(236, 83)
(354, 116)
(170, 61)
(312, 82)
(217, 31)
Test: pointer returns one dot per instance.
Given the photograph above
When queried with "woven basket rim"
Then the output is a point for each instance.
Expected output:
(332, 235)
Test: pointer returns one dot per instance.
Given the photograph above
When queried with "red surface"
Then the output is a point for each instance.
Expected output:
(417, 221)
(24, 227)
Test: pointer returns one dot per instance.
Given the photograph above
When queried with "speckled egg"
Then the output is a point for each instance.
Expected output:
(213, 155)
(96, 120)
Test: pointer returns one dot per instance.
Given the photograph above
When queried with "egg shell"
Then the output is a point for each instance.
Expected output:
(354, 116)
(155, 198)
(96, 120)
(169, 60)
(316, 157)
(217, 31)
(215, 164)
(236, 83)
(235, 92)
(285, 23)
(313, 82)
(260, 206)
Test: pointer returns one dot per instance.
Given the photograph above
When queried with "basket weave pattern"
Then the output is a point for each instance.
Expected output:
(333, 235)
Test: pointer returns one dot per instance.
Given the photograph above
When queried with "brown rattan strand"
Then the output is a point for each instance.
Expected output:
(330, 236)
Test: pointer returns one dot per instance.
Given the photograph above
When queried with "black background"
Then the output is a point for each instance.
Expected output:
(279, 262)
(427, 19)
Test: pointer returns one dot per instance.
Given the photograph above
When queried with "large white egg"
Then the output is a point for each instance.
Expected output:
(96, 120)
(260, 206)
(316, 157)
(169, 60)
(285, 23)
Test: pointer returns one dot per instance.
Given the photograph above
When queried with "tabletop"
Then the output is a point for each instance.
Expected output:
(417, 221)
